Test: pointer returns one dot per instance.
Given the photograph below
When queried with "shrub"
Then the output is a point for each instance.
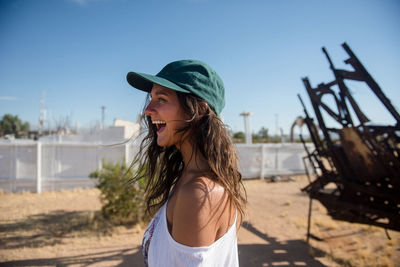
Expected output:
(122, 201)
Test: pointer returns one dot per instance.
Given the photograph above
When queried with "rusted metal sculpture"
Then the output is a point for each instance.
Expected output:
(357, 166)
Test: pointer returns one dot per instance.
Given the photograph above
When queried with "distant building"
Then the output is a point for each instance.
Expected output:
(119, 132)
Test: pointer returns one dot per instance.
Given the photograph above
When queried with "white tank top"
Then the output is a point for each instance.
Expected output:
(160, 249)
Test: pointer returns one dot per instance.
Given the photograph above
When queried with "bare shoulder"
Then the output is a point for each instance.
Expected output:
(201, 191)
(199, 206)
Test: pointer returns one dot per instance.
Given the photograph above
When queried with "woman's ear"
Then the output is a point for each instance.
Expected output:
(203, 108)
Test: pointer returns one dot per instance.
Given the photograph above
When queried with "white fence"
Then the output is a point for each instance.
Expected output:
(263, 160)
(36, 166)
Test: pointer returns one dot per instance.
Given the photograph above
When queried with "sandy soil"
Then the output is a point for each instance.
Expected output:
(60, 229)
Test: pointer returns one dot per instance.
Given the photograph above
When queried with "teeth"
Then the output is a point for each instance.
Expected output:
(159, 122)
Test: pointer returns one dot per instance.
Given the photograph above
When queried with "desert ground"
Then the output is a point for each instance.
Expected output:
(61, 229)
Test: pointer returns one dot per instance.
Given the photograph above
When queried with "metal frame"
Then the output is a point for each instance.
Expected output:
(359, 161)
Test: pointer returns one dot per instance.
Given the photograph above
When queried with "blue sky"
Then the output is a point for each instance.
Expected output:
(79, 51)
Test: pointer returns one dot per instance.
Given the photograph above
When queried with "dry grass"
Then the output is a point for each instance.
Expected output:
(287, 203)
(351, 244)
(63, 226)
(60, 229)
(50, 229)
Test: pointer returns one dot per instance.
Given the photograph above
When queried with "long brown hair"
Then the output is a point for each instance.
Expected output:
(163, 166)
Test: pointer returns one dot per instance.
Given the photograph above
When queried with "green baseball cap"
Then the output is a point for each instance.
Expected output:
(186, 76)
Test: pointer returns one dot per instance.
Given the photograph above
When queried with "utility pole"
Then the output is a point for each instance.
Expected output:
(103, 116)
(276, 126)
(247, 130)
(42, 116)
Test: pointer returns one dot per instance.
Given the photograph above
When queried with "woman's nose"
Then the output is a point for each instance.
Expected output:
(149, 111)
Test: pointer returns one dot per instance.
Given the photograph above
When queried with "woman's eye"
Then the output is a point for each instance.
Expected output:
(160, 100)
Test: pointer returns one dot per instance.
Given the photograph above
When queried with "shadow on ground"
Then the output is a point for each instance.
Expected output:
(48, 229)
(55, 226)
(287, 253)
(129, 257)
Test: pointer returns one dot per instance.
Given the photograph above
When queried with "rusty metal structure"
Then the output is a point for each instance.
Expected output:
(357, 165)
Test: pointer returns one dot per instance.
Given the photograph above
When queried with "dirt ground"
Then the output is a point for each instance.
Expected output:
(60, 229)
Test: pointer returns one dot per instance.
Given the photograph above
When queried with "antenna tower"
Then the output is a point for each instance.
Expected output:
(103, 116)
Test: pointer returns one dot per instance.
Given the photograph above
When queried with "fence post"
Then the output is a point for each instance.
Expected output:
(38, 167)
(15, 181)
(99, 160)
(262, 161)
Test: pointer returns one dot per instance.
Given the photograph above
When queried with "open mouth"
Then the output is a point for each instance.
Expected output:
(160, 125)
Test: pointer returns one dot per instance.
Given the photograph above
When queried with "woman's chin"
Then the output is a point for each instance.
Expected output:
(161, 142)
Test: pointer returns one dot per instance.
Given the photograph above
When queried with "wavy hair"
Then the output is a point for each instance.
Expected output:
(163, 166)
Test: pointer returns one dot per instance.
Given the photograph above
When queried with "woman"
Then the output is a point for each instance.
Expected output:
(191, 169)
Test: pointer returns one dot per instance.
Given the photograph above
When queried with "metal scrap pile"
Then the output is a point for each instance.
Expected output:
(358, 164)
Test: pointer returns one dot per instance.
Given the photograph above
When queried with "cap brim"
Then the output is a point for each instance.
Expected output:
(145, 82)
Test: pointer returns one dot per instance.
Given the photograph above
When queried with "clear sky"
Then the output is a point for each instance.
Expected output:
(79, 51)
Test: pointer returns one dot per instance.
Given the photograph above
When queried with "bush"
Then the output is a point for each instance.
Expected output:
(122, 201)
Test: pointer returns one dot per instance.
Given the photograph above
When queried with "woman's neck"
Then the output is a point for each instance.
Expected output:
(193, 160)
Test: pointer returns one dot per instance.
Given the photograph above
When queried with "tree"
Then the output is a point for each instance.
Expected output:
(238, 135)
(263, 133)
(261, 136)
(10, 124)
